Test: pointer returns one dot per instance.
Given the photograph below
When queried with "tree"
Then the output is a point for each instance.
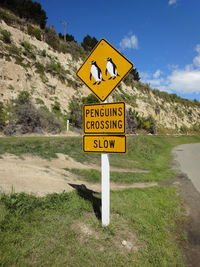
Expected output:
(133, 75)
(69, 37)
(89, 43)
(27, 9)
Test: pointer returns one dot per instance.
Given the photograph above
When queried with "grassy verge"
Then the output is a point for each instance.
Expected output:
(61, 230)
(151, 153)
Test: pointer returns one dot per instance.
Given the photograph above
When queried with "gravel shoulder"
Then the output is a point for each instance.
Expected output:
(186, 157)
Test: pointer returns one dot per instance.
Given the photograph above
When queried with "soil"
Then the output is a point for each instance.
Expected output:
(39, 176)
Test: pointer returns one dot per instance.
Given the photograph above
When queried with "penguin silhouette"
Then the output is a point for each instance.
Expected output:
(96, 73)
(111, 68)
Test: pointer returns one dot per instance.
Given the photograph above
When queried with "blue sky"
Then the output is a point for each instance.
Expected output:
(161, 37)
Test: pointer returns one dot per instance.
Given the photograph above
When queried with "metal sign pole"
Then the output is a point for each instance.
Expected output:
(105, 188)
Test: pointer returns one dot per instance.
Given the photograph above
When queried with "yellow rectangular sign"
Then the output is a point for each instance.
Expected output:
(107, 118)
(104, 143)
(104, 69)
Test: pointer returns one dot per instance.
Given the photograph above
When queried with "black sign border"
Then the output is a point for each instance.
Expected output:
(105, 152)
(103, 99)
(103, 133)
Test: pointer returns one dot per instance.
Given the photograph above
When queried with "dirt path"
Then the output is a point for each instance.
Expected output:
(32, 174)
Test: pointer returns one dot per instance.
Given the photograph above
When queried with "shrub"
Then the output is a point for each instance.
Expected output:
(26, 118)
(28, 50)
(57, 69)
(2, 116)
(56, 107)
(6, 36)
(40, 69)
(90, 99)
(8, 17)
(131, 121)
(183, 129)
(23, 98)
(75, 108)
(75, 112)
(49, 122)
(52, 38)
(11, 128)
(14, 50)
(89, 42)
(36, 32)
(72, 48)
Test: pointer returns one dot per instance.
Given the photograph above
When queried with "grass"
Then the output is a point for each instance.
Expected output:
(45, 231)
(94, 176)
(152, 153)
(50, 230)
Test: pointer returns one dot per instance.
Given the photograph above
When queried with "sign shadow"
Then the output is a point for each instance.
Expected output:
(87, 194)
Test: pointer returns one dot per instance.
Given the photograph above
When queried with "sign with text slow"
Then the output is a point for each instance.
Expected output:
(104, 143)
(104, 69)
(108, 118)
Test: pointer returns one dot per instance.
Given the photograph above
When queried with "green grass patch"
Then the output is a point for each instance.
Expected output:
(151, 153)
(45, 231)
(94, 176)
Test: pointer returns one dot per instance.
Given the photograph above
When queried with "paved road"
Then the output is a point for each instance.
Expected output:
(188, 157)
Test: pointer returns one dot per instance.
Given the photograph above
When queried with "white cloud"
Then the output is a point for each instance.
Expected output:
(196, 60)
(129, 42)
(186, 81)
(197, 48)
(172, 2)
(181, 80)
(157, 74)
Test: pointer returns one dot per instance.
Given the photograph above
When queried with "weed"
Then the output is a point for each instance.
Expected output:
(6, 36)
(36, 32)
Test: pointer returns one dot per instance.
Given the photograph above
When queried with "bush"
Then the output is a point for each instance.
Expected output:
(52, 38)
(14, 50)
(76, 106)
(8, 17)
(49, 122)
(89, 43)
(135, 122)
(90, 99)
(131, 121)
(28, 50)
(72, 48)
(2, 116)
(75, 112)
(26, 118)
(36, 32)
(11, 128)
(6, 36)
(57, 69)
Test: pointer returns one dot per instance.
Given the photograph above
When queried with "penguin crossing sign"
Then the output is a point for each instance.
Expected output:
(104, 69)
(105, 118)
(104, 143)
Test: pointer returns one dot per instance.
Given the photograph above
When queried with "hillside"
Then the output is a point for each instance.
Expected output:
(28, 63)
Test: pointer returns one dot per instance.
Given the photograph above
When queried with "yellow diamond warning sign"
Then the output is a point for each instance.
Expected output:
(103, 69)
(104, 143)
(107, 118)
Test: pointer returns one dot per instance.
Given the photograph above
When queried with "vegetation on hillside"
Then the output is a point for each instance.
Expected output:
(28, 9)
(28, 56)
(21, 116)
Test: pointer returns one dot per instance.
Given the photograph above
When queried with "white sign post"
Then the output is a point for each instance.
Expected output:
(105, 188)
(110, 74)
